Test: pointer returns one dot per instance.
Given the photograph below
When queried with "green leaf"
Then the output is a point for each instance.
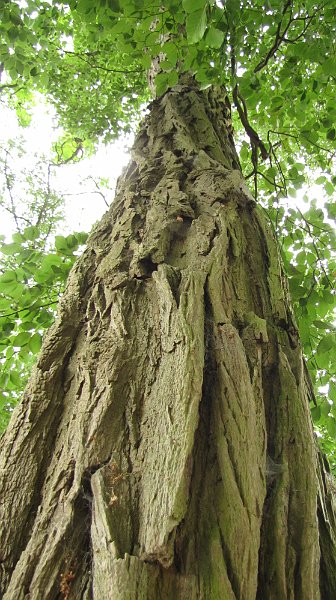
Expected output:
(196, 25)
(114, 5)
(31, 233)
(72, 241)
(21, 339)
(332, 391)
(331, 134)
(35, 343)
(191, 6)
(214, 37)
(325, 408)
(172, 78)
(82, 237)
(329, 188)
(84, 6)
(331, 427)
(316, 413)
(61, 243)
(161, 83)
(170, 50)
(329, 66)
(15, 379)
(326, 344)
(323, 325)
(10, 249)
(331, 208)
(27, 325)
(18, 238)
(7, 277)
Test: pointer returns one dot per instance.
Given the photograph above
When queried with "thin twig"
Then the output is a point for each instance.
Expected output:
(100, 67)
(20, 310)
(279, 37)
(9, 190)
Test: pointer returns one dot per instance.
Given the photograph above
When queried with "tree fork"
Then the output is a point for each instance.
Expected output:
(164, 446)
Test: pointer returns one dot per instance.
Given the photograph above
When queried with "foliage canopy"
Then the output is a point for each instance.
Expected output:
(276, 59)
(34, 268)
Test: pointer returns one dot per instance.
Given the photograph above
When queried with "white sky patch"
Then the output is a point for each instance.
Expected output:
(67, 43)
(84, 202)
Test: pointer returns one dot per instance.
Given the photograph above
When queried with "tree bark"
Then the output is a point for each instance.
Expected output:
(164, 447)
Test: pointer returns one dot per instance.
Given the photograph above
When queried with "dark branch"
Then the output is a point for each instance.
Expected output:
(241, 107)
(279, 37)
(20, 310)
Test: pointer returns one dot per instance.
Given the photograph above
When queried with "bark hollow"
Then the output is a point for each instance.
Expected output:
(164, 447)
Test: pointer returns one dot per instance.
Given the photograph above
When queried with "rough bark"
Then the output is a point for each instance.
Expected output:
(164, 447)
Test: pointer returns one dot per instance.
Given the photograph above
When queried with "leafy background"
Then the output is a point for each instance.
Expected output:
(90, 59)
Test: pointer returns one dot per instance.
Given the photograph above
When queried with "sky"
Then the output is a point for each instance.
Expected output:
(83, 206)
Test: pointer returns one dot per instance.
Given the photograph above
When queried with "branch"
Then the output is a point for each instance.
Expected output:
(240, 105)
(295, 137)
(279, 37)
(43, 208)
(276, 185)
(86, 193)
(20, 310)
(7, 85)
(74, 155)
(96, 66)
(9, 190)
(98, 190)
(307, 21)
(15, 216)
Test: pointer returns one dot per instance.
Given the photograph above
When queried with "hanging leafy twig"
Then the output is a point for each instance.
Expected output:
(280, 36)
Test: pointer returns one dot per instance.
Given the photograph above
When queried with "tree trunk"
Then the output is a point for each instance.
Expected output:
(164, 447)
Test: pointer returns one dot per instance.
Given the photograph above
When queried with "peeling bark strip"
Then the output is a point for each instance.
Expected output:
(164, 448)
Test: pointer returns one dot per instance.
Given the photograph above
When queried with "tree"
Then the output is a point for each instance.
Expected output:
(164, 446)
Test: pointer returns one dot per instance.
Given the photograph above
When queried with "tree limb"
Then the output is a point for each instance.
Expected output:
(240, 105)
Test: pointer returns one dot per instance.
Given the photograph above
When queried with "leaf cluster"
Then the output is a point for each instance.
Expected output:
(32, 279)
(307, 240)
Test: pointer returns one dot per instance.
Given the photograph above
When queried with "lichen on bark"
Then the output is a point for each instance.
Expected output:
(164, 447)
